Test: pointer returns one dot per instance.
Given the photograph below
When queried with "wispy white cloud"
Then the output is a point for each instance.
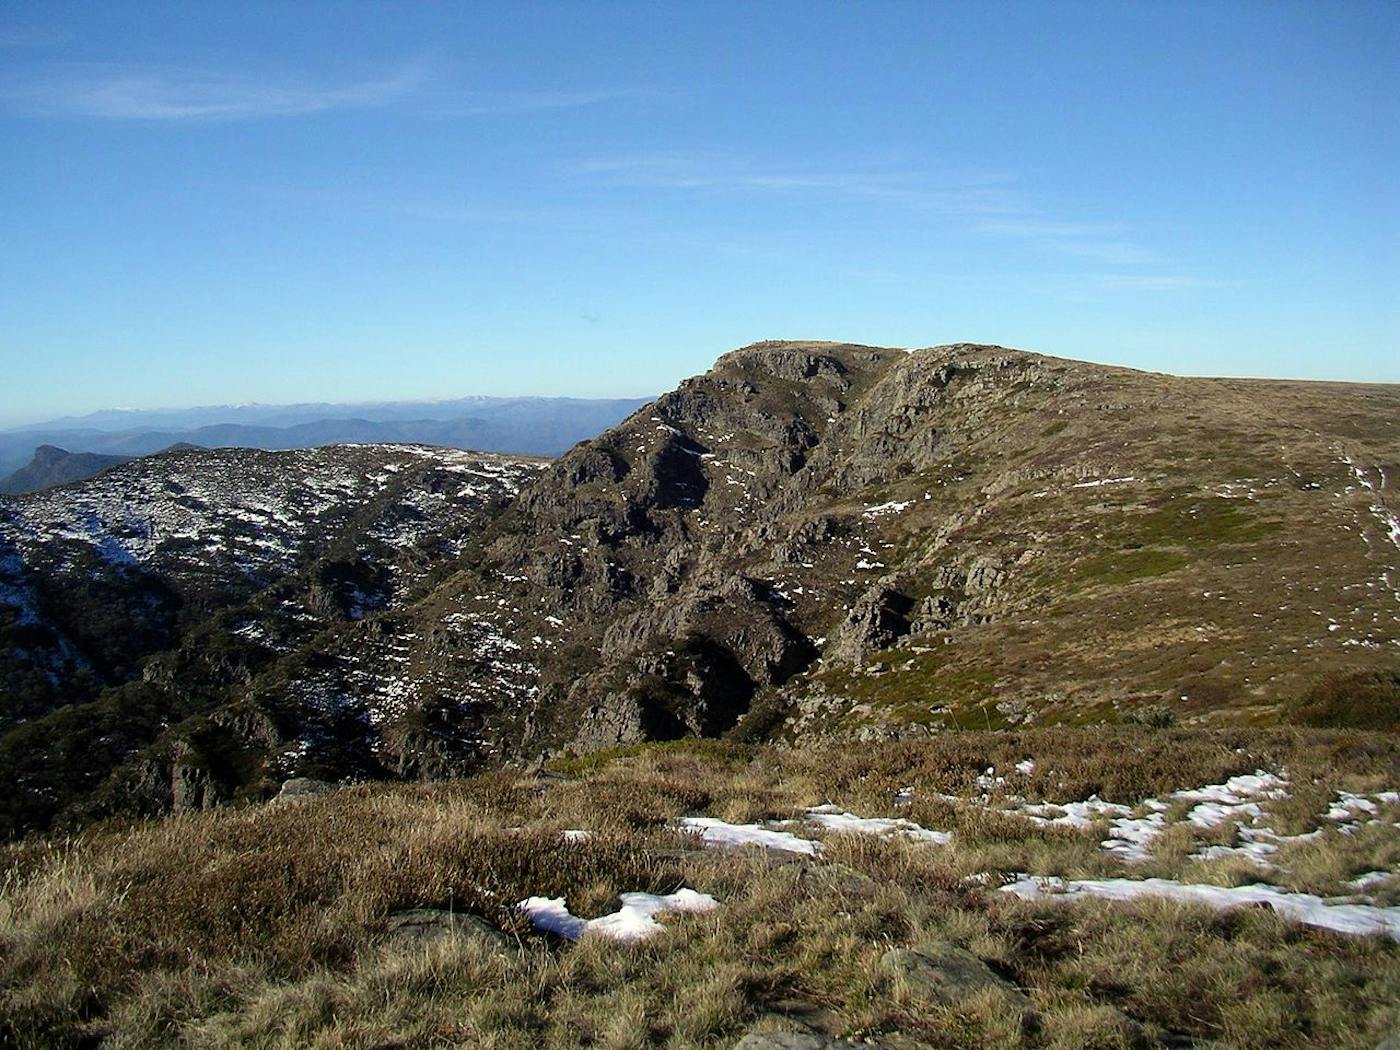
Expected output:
(1035, 227)
(507, 102)
(132, 93)
(164, 94)
(986, 194)
(1104, 243)
(992, 205)
(1113, 253)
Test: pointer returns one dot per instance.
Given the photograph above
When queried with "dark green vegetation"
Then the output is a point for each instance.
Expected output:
(271, 925)
(811, 541)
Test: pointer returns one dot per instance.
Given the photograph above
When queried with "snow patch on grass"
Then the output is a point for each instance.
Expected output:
(835, 819)
(634, 921)
(718, 833)
(1103, 481)
(1305, 908)
(892, 507)
(1070, 814)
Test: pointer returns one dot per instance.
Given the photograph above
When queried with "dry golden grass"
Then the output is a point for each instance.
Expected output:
(263, 926)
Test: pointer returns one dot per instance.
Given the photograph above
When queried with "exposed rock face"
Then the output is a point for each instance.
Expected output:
(811, 539)
(299, 789)
(191, 785)
(876, 621)
(944, 974)
(688, 639)
(418, 928)
(843, 502)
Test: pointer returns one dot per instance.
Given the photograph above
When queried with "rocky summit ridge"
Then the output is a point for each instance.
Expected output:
(820, 540)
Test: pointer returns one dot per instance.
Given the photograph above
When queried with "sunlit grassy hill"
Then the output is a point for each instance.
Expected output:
(882, 903)
(811, 541)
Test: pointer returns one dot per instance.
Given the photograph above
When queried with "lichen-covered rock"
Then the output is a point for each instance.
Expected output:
(299, 789)
(876, 621)
(421, 927)
(943, 973)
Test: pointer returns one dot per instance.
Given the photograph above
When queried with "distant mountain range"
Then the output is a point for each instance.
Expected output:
(542, 426)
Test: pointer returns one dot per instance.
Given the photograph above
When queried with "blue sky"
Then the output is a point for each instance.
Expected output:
(209, 203)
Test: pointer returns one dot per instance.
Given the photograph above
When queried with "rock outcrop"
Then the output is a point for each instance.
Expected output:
(941, 973)
(809, 540)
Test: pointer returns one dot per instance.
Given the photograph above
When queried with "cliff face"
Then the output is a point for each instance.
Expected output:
(818, 539)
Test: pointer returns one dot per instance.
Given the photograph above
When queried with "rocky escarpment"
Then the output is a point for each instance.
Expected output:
(52, 465)
(821, 539)
(818, 538)
(653, 534)
(860, 540)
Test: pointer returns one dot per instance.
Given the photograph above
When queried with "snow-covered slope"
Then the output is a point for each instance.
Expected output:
(97, 575)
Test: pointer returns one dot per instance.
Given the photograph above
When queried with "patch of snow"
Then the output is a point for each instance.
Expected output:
(1130, 838)
(1103, 481)
(1349, 807)
(1388, 519)
(1258, 845)
(1370, 879)
(1238, 789)
(989, 780)
(835, 819)
(634, 921)
(714, 832)
(1071, 814)
(892, 507)
(1305, 908)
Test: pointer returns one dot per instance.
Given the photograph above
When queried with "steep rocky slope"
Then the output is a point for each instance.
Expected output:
(872, 541)
(818, 539)
(160, 588)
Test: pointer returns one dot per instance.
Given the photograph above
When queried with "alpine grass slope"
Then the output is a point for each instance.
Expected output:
(811, 540)
(1117, 652)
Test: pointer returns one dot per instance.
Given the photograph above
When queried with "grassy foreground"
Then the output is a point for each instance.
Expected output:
(265, 926)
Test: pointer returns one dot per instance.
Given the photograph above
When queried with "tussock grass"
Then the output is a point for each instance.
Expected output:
(263, 926)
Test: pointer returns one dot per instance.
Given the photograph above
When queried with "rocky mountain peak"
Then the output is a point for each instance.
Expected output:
(813, 540)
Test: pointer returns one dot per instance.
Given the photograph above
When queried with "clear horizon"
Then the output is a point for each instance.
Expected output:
(446, 400)
(450, 398)
(353, 202)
